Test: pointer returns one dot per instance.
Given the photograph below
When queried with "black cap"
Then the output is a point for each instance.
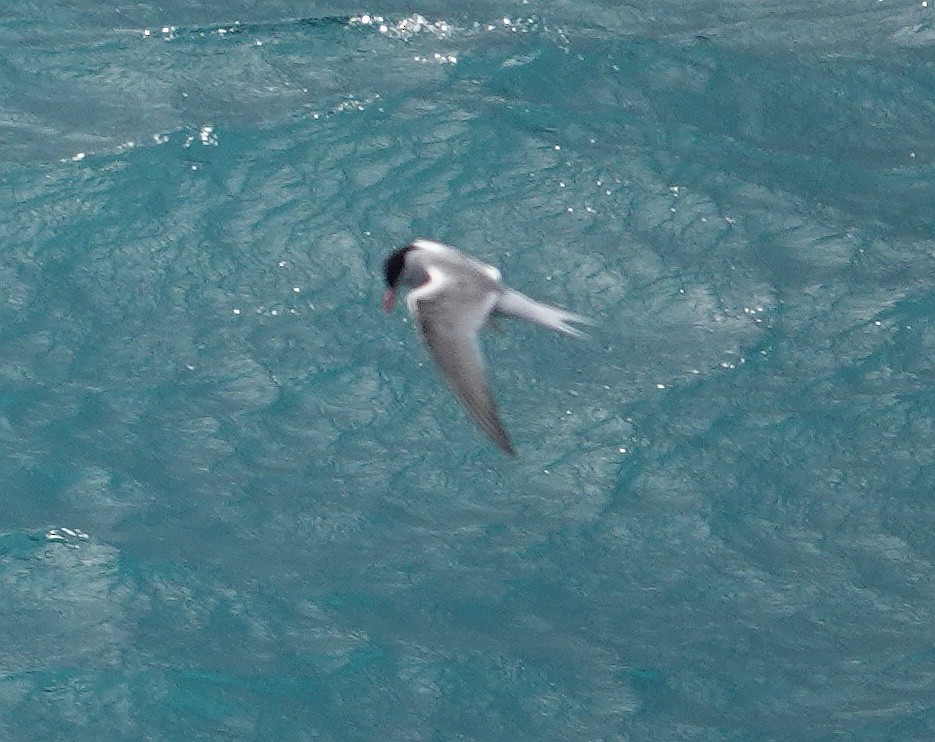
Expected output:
(394, 265)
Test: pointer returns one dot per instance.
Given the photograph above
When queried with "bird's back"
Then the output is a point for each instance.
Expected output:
(455, 263)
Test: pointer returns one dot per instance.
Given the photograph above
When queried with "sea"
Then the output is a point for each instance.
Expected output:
(237, 500)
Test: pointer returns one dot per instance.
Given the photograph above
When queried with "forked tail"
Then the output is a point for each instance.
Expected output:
(515, 304)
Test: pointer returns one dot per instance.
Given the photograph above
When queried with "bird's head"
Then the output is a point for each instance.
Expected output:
(394, 268)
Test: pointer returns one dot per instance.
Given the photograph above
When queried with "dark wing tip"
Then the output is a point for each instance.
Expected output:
(492, 427)
(497, 433)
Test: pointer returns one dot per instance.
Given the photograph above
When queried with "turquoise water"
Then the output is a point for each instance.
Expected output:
(238, 503)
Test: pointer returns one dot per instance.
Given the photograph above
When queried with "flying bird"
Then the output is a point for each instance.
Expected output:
(452, 297)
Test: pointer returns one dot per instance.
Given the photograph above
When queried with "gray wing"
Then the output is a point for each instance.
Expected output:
(450, 322)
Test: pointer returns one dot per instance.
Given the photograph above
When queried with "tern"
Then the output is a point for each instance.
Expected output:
(452, 297)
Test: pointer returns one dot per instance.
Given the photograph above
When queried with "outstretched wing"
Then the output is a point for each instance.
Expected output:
(450, 315)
